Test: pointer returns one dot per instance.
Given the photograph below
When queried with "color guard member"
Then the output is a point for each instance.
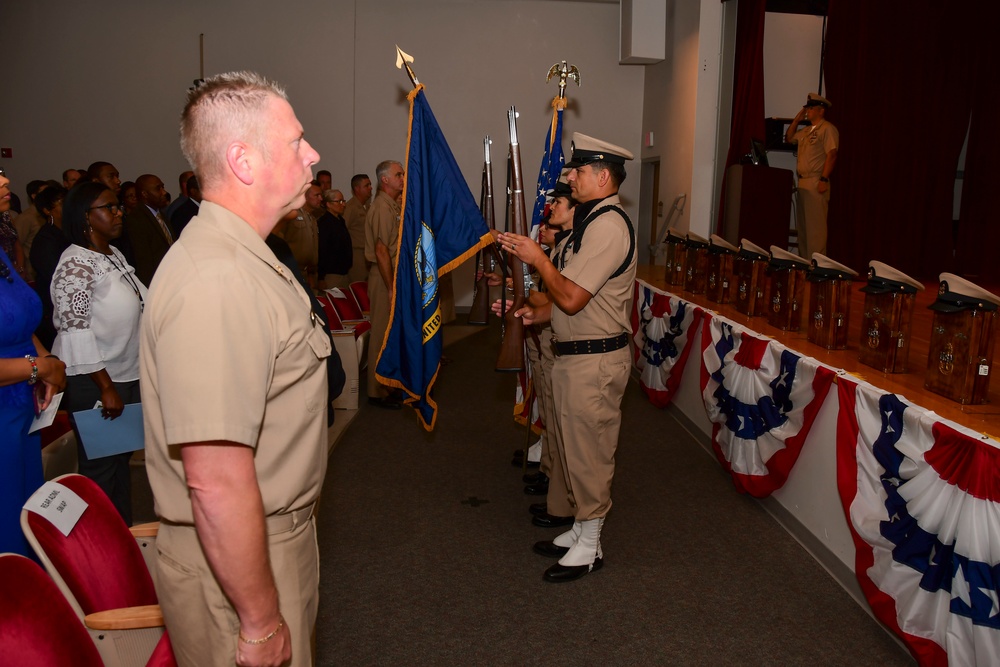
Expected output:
(589, 296)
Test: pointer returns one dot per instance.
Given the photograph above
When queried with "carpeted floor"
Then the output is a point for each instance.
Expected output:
(425, 545)
(425, 541)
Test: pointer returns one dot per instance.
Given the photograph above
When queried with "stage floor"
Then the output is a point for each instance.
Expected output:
(984, 418)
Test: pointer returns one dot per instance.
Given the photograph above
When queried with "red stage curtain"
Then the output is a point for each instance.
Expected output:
(978, 231)
(748, 86)
(901, 82)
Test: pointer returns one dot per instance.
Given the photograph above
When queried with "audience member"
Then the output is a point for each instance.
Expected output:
(354, 216)
(183, 214)
(26, 381)
(302, 235)
(27, 225)
(129, 197)
(335, 254)
(98, 301)
(381, 246)
(181, 198)
(28, 374)
(8, 238)
(69, 178)
(233, 378)
(105, 172)
(324, 179)
(148, 233)
(50, 242)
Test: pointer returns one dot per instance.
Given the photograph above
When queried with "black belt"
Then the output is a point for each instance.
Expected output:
(595, 346)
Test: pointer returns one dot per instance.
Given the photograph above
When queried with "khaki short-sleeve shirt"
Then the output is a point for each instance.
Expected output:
(230, 351)
(604, 247)
(382, 224)
(814, 142)
(354, 216)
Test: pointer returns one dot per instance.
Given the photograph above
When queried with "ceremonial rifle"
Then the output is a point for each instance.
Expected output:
(512, 348)
(487, 258)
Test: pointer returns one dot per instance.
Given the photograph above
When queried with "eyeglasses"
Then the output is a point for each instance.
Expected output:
(111, 208)
(337, 201)
(3, 172)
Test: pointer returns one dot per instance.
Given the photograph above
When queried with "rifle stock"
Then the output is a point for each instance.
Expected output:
(486, 263)
(511, 356)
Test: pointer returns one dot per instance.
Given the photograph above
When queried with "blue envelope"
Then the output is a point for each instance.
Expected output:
(102, 437)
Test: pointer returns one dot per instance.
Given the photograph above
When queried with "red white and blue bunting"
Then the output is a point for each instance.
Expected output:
(663, 328)
(762, 399)
(921, 496)
(922, 499)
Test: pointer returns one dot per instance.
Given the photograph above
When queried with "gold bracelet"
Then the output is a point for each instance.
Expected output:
(267, 638)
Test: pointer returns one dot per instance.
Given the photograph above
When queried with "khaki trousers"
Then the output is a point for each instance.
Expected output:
(587, 392)
(810, 219)
(378, 295)
(203, 626)
(541, 358)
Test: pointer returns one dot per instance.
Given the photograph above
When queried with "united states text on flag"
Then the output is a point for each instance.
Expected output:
(441, 226)
(922, 500)
(762, 399)
(663, 328)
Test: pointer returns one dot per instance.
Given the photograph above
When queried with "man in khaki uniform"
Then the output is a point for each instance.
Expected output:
(381, 246)
(556, 510)
(354, 216)
(233, 377)
(589, 289)
(817, 154)
(301, 233)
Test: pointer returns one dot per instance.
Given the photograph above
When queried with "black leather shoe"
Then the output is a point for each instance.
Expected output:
(386, 403)
(535, 478)
(537, 489)
(517, 462)
(548, 521)
(538, 508)
(549, 549)
(558, 574)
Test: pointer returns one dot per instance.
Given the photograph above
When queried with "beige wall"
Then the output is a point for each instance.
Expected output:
(109, 83)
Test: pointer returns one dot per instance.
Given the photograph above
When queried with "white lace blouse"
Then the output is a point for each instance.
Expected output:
(97, 302)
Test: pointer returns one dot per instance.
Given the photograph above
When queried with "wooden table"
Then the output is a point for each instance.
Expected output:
(984, 418)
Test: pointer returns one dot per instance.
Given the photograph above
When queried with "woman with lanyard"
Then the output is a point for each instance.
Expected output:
(98, 301)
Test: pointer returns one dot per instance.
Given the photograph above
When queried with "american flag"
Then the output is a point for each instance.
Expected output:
(552, 164)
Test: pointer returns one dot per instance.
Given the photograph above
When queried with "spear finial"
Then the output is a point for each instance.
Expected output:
(404, 59)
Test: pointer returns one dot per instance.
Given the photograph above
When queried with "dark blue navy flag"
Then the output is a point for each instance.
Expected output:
(552, 165)
(441, 227)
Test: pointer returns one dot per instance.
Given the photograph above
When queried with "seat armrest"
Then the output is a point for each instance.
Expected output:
(127, 618)
(145, 529)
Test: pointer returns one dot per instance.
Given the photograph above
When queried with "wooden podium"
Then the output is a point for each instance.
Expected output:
(758, 203)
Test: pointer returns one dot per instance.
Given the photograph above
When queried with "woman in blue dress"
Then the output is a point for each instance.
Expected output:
(29, 377)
